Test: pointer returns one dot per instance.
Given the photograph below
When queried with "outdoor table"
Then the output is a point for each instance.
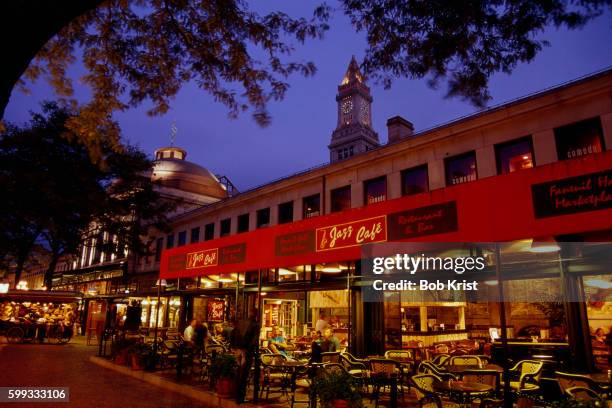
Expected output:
(461, 389)
(459, 369)
(290, 369)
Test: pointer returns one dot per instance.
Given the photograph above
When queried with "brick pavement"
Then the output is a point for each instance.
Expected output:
(90, 385)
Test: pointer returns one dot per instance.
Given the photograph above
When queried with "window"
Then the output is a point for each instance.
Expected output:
(182, 238)
(415, 180)
(341, 199)
(579, 139)
(375, 190)
(159, 245)
(312, 206)
(285, 212)
(263, 217)
(345, 152)
(226, 226)
(461, 168)
(243, 222)
(195, 235)
(209, 231)
(169, 241)
(514, 155)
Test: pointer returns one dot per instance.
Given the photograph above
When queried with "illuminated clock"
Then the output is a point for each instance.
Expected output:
(347, 106)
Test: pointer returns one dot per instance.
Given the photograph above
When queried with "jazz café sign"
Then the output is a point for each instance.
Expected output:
(352, 233)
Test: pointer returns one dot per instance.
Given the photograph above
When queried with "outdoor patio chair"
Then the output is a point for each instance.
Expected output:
(582, 394)
(427, 367)
(441, 359)
(330, 357)
(273, 375)
(569, 380)
(355, 368)
(488, 377)
(465, 360)
(385, 373)
(528, 373)
(406, 359)
(423, 386)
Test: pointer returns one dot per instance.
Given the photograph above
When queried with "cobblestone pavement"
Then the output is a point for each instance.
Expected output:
(44, 365)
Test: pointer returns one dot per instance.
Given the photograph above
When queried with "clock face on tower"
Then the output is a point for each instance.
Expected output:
(347, 105)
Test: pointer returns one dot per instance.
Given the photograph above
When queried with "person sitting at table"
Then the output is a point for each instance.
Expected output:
(218, 336)
(599, 338)
(330, 342)
(277, 343)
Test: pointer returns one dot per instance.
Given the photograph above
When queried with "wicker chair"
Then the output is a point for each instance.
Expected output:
(488, 377)
(528, 373)
(331, 357)
(423, 386)
(441, 359)
(272, 374)
(406, 359)
(427, 367)
(582, 393)
(384, 373)
(465, 360)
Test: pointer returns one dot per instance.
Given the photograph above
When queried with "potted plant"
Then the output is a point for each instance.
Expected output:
(121, 350)
(336, 389)
(140, 353)
(224, 369)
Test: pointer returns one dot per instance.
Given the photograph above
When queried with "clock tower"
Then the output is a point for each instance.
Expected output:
(354, 133)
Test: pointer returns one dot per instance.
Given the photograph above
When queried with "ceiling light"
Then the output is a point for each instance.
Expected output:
(285, 272)
(491, 282)
(598, 283)
(544, 245)
(331, 269)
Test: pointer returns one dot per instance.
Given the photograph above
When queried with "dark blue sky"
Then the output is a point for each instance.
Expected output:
(302, 123)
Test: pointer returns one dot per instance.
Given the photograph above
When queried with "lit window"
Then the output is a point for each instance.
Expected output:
(341, 199)
(312, 206)
(461, 169)
(514, 155)
(579, 139)
(375, 190)
(415, 180)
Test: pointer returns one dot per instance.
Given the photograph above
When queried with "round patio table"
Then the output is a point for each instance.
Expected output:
(462, 391)
(459, 369)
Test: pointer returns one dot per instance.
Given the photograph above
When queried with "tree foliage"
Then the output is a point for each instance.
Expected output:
(460, 42)
(145, 50)
(56, 196)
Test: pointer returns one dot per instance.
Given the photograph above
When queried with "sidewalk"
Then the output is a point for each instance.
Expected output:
(167, 382)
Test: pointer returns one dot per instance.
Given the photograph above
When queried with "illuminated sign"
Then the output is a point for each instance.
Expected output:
(353, 233)
(202, 259)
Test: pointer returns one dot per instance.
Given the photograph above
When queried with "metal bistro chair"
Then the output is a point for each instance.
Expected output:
(529, 373)
(331, 357)
(423, 385)
(384, 373)
(569, 380)
(582, 394)
(488, 377)
(441, 359)
(427, 367)
(406, 359)
(465, 360)
(273, 374)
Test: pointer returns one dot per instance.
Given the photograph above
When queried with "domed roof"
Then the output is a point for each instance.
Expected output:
(174, 171)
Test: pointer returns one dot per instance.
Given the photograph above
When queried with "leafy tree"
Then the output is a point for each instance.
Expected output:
(58, 196)
(145, 50)
(462, 42)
